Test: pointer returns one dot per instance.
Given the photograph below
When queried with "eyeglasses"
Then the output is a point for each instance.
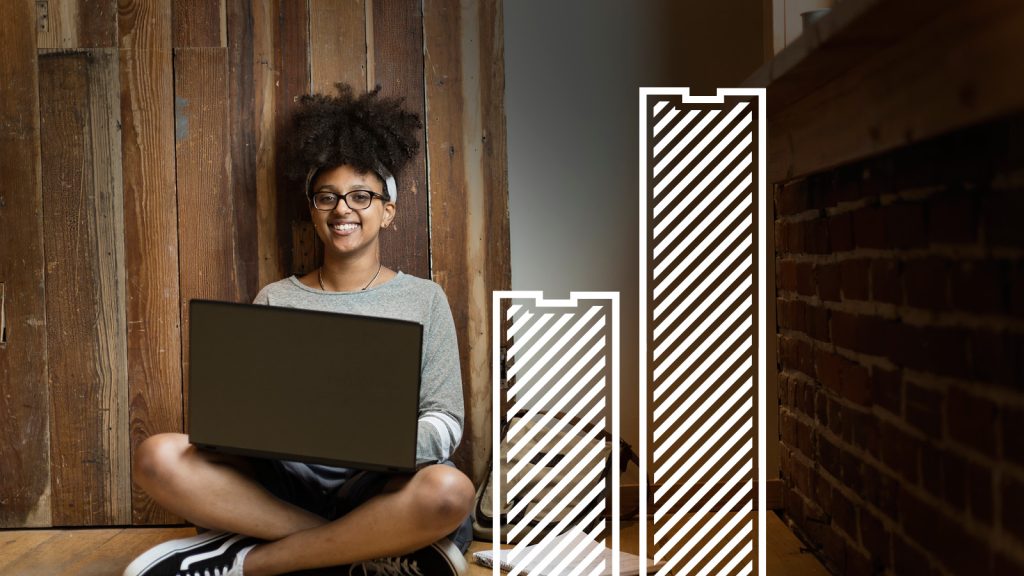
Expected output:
(356, 199)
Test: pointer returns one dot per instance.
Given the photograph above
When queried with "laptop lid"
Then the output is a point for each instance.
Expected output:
(304, 385)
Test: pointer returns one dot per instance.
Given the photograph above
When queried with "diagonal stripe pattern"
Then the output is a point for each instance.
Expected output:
(701, 320)
(558, 364)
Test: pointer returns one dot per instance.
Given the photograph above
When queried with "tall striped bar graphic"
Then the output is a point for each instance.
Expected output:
(702, 330)
(560, 422)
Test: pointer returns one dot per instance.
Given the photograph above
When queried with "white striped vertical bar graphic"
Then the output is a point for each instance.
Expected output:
(560, 423)
(702, 330)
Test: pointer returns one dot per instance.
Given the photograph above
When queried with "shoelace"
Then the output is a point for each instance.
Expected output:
(387, 567)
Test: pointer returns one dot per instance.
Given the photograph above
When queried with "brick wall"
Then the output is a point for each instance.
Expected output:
(900, 308)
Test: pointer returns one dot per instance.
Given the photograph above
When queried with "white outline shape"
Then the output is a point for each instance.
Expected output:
(643, 187)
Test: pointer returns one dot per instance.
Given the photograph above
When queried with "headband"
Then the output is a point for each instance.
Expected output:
(389, 182)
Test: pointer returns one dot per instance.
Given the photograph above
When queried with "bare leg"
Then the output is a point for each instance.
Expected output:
(423, 509)
(214, 491)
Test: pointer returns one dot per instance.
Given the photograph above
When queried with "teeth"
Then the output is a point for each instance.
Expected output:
(345, 227)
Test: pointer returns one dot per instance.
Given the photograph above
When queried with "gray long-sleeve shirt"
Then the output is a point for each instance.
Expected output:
(404, 297)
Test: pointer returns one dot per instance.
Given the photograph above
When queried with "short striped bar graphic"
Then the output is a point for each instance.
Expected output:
(558, 415)
(702, 199)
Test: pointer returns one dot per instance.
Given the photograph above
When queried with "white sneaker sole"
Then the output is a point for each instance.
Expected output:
(454, 556)
(160, 552)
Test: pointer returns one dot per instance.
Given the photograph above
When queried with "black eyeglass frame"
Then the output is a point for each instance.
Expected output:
(344, 197)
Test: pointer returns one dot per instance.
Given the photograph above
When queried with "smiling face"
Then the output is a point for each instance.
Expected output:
(346, 232)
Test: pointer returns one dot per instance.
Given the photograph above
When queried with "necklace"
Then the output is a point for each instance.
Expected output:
(320, 277)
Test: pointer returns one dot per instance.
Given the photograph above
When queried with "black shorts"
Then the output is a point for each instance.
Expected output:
(334, 492)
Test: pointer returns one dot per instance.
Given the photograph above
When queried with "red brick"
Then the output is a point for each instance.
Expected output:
(851, 472)
(953, 218)
(924, 409)
(996, 357)
(886, 281)
(822, 189)
(958, 550)
(792, 198)
(887, 389)
(828, 456)
(1002, 210)
(857, 564)
(815, 236)
(869, 228)
(865, 432)
(899, 451)
(971, 420)
(840, 232)
(909, 561)
(1013, 434)
(980, 286)
(905, 225)
(826, 276)
(881, 489)
(861, 333)
(854, 279)
(844, 514)
(1016, 287)
(805, 279)
(817, 323)
(954, 481)
(939, 350)
(875, 537)
(836, 414)
(787, 428)
(856, 384)
(804, 438)
(931, 469)
(821, 407)
(925, 283)
(828, 368)
(785, 316)
(785, 274)
(980, 493)
(784, 244)
(878, 175)
(822, 490)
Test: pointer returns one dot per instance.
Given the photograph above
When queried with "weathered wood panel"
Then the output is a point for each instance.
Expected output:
(76, 23)
(207, 243)
(24, 422)
(468, 193)
(291, 64)
(85, 308)
(199, 24)
(151, 230)
(242, 131)
(337, 44)
(398, 68)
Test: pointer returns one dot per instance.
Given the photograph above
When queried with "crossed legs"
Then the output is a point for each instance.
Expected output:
(219, 492)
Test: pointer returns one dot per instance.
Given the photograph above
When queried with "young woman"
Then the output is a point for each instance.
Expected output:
(274, 517)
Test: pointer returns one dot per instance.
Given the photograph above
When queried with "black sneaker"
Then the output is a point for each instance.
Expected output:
(442, 558)
(206, 554)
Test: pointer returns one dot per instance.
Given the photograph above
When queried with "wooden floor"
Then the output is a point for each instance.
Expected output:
(105, 552)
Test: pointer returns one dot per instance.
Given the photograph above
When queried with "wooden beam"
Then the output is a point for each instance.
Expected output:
(337, 43)
(24, 421)
(85, 303)
(874, 76)
(76, 24)
(199, 23)
(209, 248)
(398, 68)
(151, 231)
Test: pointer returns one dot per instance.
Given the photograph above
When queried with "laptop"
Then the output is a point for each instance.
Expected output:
(303, 385)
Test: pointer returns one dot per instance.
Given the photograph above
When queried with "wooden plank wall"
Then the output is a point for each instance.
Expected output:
(142, 145)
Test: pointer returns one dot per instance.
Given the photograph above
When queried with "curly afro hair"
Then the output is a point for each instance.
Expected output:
(368, 132)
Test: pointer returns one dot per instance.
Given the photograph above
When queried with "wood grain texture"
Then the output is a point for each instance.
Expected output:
(151, 236)
(209, 250)
(291, 61)
(199, 23)
(85, 309)
(24, 421)
(97, 552)
(468, 198)
(949, 64)
(265, 75)
(398, 69)
(76, 23)
(242, 134)
(337, 44)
